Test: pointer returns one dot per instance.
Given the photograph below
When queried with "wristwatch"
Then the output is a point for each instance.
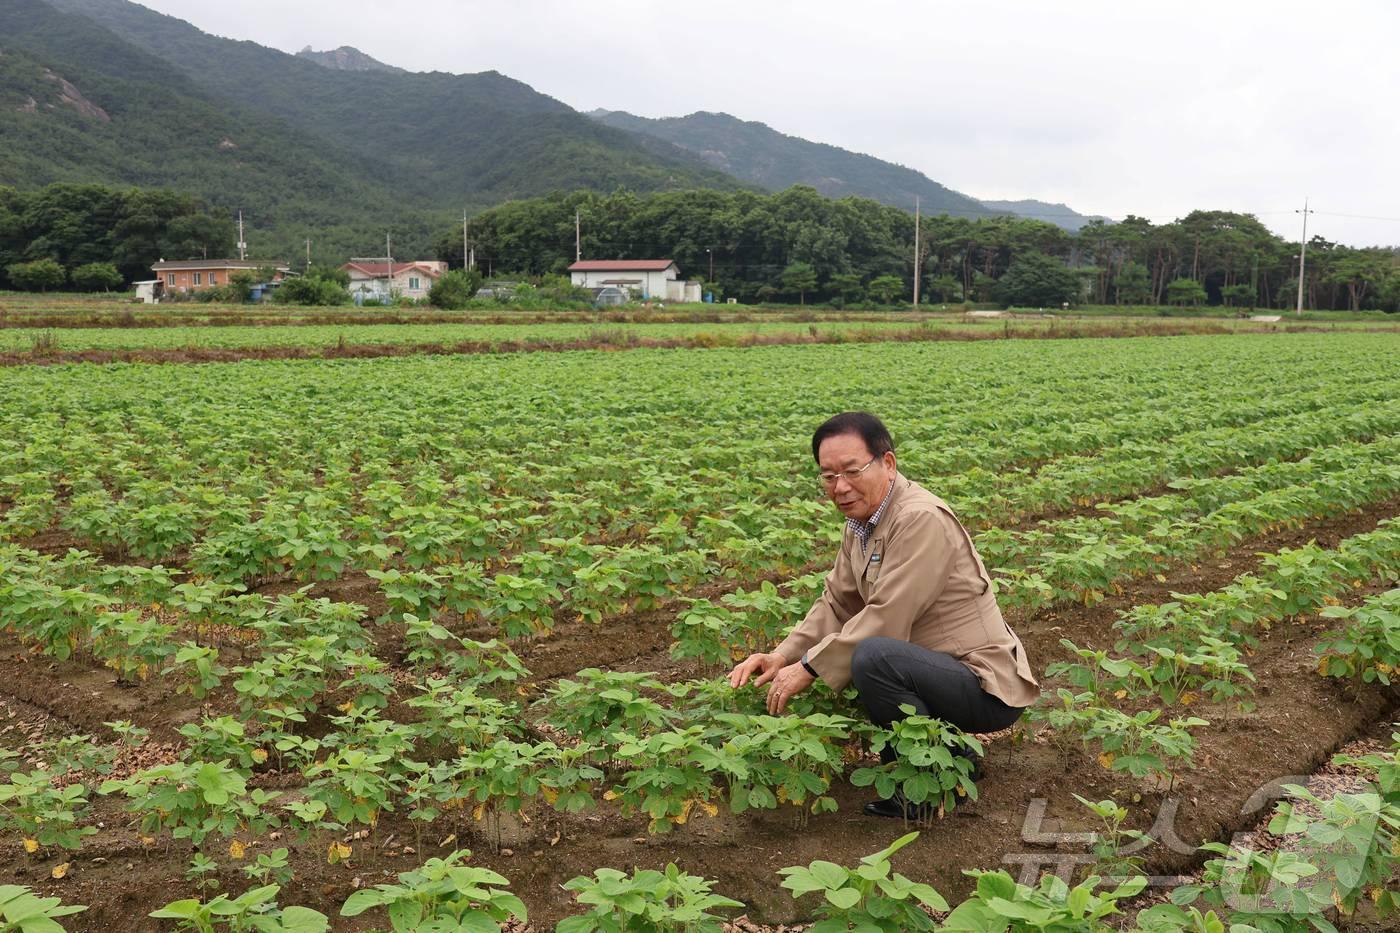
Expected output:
(810, 669)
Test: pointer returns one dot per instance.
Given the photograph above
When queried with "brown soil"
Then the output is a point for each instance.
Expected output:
(624, 341)
(1300, 719)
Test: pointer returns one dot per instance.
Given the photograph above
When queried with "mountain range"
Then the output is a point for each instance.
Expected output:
(337, 147)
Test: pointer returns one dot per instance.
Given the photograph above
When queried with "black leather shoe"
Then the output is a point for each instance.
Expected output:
(897, 807)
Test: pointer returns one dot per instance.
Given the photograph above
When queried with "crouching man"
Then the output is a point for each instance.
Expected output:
(907, 614)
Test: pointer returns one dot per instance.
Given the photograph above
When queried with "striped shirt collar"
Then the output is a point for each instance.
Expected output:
(864, 529)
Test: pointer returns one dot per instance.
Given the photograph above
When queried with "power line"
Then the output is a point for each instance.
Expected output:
(1358, 216)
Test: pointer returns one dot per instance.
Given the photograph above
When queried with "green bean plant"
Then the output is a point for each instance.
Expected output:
(42, 813)
(645, 901)
(999, 902)
(867, 897)
(23, 911)
(442, 894)
(933, 763)
(253, 911)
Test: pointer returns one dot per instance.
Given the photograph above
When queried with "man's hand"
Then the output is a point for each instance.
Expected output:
(766, 666)
(790, 681)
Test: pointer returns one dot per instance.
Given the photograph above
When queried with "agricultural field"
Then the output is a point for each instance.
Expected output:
(326, 335)
(304, 632)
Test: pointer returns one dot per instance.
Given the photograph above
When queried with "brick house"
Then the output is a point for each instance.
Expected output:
(373, 278)
(192, 275)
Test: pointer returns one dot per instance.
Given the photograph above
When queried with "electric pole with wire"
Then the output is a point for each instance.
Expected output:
(1302, 255)
(916, 252)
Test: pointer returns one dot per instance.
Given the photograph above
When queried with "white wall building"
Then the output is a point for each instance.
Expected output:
(647, 279)
(372, 278)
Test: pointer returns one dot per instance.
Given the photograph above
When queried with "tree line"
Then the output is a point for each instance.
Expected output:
(793, 245)
(798, 245)
(91, 237)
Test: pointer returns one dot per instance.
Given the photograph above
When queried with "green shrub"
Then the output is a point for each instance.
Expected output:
(38, 276)
(311, 290)
(453, 290)
(97, 277)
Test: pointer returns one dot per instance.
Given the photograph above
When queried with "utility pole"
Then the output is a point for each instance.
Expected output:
(916, 252)
(308, 254)
(1302, 255)
(711, 279)
(388, 267)
(578, 239)
(466, 260)
(242, 246)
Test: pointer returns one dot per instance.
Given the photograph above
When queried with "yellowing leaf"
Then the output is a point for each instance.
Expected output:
(479, 811)
(345, 707)
(549, 794)
(31, 846)
(1188, 698)
(685, 813)
(1119, 694)
(236, 849)
(259, 755)
(1106, 760)
(610, 795)
(148, 840)
(710, 808)
(1161, 578)
(60, 870)
(337, 852)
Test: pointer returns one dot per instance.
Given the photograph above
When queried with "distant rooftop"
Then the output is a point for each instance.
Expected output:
(622, 265)
(253, 264)
(381, 269)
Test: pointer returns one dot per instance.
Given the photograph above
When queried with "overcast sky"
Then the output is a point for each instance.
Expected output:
(1110, 107)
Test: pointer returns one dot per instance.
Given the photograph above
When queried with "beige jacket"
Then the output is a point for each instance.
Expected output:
(922, 581)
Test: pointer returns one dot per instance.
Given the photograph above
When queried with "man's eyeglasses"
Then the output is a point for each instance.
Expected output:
(850, 476)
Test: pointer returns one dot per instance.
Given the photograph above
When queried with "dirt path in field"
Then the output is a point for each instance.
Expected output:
(1300, 719)
(622, 340)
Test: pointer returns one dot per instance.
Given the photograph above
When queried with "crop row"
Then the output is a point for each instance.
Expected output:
(52, 601)
(617, 737)
(1090, 555)
(203, 453)
(1330, 855)
(1177, 653)
(1078, 558)
(1140, 463)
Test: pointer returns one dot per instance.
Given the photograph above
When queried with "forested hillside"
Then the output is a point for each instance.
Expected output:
(133, 119)
(757, 153)
(339, 157)
(445, 137)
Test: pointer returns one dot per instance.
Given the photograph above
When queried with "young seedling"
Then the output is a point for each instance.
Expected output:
(867, 897)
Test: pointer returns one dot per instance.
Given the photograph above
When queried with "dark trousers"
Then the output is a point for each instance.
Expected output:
(888, 673)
